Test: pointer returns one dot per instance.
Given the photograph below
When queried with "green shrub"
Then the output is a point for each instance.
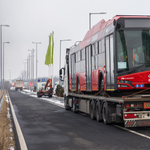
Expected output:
(59, 90)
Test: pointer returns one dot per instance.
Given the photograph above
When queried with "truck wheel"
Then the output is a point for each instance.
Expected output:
(38, 94)
(50, 95)
(99, 111)
(66, 103)
(106, 113)
(92, 109)
(75, 109)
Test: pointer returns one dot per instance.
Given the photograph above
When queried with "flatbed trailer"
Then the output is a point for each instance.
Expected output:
(132, 111)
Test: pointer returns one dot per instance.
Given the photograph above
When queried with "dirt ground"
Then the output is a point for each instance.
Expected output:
(7, 141)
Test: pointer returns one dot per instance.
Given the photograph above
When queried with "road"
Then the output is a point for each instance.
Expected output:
(49, 127)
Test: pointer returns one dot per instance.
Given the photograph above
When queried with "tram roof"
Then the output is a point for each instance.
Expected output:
(100, 26)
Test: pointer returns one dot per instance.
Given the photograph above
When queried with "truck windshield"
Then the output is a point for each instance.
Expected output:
(133, 49)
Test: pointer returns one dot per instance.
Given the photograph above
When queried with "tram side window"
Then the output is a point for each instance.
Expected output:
(78, 56)
(83, 54)
(103, 45)
(93, 49)
(96, 48)
(100, 46)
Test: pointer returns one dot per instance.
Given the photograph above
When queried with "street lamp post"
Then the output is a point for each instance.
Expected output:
(28, 70)
(93, 14)
(1, 51)
(60, 54)
(36, 56)
(3, 62)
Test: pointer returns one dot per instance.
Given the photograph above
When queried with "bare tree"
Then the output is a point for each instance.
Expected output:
(23, 75)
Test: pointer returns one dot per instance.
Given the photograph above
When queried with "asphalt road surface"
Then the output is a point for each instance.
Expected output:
(49, 127)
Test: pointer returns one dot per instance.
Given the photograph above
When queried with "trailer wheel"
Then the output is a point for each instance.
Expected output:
(66, 102)
(99, 111)
(92, 109)
(75, 110)
(106, 113)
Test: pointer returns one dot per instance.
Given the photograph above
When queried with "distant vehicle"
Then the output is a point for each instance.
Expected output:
(40, 86)
(19, 84)
(45, 88)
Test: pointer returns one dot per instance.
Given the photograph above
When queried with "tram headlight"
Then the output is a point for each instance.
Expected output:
(124, 81)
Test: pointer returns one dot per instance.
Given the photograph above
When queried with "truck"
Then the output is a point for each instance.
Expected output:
(19, 85)
(107, 75)
(45, 88)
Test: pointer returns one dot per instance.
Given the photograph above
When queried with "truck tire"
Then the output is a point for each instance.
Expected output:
(66, 103)
(49, 95)
(99, 111)
(75, 109)
(38, 94)
(92, 109)
(106, 113)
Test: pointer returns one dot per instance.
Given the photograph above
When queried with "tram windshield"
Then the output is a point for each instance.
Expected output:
(133, 49)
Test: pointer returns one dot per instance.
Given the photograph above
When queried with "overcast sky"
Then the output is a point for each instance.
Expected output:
(33, 21)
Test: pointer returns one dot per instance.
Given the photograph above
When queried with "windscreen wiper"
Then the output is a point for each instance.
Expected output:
(136, 68)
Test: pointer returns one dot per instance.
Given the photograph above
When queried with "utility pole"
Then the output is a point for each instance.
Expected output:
(1, 49)
(28, 70)
(36, 57)
(32, 64)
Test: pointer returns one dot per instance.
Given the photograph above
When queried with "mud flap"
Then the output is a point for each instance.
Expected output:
(136, 123)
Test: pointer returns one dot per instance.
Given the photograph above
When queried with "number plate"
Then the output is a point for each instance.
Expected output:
(147, 105)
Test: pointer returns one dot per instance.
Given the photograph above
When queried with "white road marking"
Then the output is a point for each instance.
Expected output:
(22, 142)
(137, 133)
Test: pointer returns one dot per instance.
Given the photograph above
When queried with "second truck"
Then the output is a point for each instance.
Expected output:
(45, 88)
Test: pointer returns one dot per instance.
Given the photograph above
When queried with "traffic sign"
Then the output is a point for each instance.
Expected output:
(43, 79)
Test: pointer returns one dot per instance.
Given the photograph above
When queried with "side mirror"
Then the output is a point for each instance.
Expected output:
(60, 71)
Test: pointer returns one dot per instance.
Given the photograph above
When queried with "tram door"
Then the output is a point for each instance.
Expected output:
(88, 64)
(109, 63)
(73, 68)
